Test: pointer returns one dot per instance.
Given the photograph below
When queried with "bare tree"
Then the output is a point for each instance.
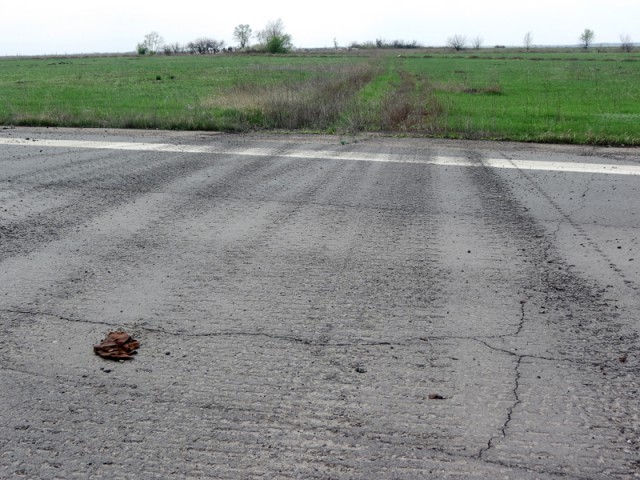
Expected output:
(457, 42)
(152, 42)
(242, 33)
(586, 38)
(273, 28)
(625, 43)
(528, 40)
(476, 43)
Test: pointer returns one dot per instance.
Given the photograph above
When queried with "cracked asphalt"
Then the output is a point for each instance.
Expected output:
(317, 307)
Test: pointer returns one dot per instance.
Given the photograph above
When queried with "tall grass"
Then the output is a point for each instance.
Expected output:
(396, 101)
(412, 106)
(313, 102)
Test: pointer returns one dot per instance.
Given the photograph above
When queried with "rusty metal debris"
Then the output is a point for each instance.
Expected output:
(117, 346)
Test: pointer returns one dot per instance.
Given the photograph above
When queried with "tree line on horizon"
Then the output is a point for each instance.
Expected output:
(586, 39)
(274, 39)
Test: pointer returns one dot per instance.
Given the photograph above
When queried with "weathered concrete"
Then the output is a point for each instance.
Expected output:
(299, 299)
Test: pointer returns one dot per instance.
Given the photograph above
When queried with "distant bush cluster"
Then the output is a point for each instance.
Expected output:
(381, 43)
(205, 46)
(153, 44)
(273, 39)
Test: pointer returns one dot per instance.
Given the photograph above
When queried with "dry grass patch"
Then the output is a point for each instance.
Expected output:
(411, 106)
(315, 100)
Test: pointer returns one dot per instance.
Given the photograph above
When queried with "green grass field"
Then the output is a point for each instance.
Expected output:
(566, 97)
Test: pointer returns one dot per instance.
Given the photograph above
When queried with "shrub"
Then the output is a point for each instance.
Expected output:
(278, 44)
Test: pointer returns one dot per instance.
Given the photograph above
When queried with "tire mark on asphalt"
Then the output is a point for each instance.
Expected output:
(553, 285)
(550, 276)
(89, 198)
(568, 218)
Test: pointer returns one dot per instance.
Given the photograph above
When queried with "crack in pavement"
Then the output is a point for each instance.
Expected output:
(138, 327)
(490, 182)
(583, 203)
(304, 341)
(561, 287)
(510, 409)
(483, 340)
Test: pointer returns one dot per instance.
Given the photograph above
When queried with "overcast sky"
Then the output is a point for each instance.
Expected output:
(31, 27)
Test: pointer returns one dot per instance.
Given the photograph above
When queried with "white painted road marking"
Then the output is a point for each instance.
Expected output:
(574, 167)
